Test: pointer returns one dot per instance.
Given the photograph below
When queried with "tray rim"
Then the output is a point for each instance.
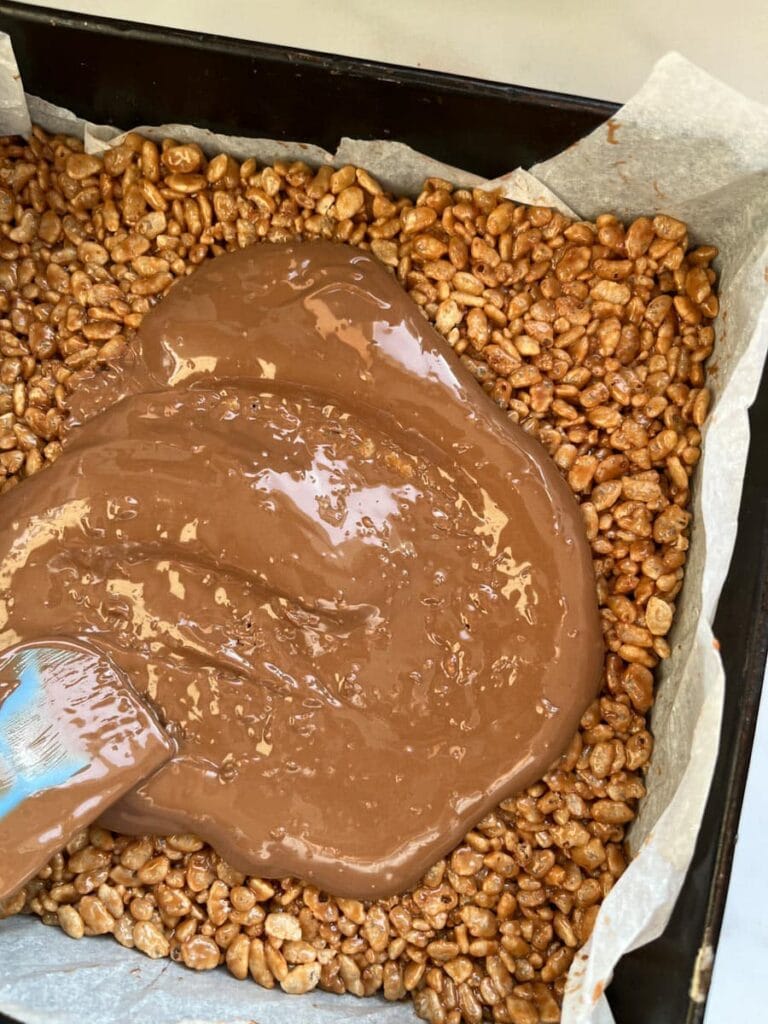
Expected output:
(275, 53)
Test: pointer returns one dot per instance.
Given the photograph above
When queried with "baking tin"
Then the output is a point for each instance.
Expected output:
(119, 73)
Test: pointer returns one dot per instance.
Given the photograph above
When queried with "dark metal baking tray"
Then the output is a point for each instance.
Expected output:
(125, 74)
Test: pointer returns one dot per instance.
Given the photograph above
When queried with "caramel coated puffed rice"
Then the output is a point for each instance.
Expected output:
(593, 336)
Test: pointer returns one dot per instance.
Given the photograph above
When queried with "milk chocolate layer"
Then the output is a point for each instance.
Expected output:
(360, 598)
(74, 737)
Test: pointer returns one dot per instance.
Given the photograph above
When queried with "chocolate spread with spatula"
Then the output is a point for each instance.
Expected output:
(74, 737)
(358, 596)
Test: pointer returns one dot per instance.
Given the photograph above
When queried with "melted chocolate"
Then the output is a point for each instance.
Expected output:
(359, 597)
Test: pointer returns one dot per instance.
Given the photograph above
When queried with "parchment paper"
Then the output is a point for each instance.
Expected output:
(686, 145)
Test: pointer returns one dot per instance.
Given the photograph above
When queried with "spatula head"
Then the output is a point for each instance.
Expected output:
(74, 737)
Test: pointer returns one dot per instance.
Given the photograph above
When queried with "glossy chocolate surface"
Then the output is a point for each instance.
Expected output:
(359, 597)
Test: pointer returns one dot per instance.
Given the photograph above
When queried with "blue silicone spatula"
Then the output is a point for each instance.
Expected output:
(74, 737)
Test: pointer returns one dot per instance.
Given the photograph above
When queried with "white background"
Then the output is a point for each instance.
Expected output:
(593, 48)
